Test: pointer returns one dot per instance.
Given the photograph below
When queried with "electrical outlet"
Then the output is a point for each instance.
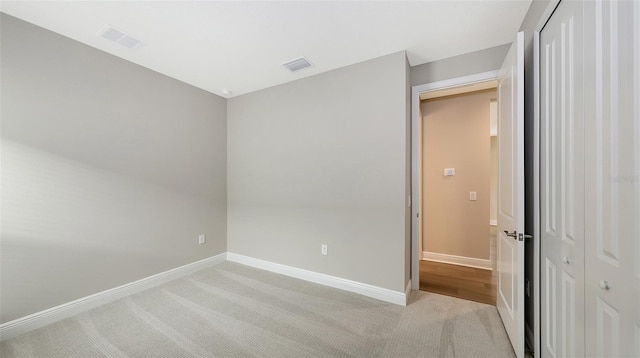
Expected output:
(201, 239)
(323, 249)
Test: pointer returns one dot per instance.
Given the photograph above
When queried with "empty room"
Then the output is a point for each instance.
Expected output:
(266, 178)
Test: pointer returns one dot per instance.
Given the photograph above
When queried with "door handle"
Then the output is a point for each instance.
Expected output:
(513, 234)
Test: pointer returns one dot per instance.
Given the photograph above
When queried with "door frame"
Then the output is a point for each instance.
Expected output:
(544, 18)
(416, 158)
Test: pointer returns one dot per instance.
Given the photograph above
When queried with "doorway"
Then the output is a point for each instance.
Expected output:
(510, 201)
(457, 257)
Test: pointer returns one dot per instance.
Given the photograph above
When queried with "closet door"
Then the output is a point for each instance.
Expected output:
(562, 183)
(612, 115)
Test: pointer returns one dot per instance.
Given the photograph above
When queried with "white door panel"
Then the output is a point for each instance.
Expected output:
(612, 178)
(590, 180)
(510, 249)
(549, 337)
(562, 183)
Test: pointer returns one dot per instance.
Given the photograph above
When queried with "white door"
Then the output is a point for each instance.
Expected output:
(590, 180)
(562, 183)
(612, 180)
(510, 256)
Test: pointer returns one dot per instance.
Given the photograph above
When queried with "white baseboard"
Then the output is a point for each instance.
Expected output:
(383, 294)
(407, 292)
(40, 319)
(457, 260)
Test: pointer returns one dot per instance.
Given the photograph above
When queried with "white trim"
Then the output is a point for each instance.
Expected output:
(415, 188)
(536, 196)
(546, 15)
(40, 319)
(383, 294)
(457, 260)
(416, 157)
(407, 292)
(493, 222)
(456, 82)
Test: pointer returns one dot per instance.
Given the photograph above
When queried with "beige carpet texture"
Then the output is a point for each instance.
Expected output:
(231, 310)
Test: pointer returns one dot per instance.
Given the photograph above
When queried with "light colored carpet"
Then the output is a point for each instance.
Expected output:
(231, 310)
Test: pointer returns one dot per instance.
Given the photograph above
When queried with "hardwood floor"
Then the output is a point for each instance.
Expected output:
(460, 281)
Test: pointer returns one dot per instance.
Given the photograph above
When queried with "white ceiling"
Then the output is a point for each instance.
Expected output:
(240, 45)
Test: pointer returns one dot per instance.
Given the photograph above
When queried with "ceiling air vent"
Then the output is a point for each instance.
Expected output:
(120, 37)
(297, 64)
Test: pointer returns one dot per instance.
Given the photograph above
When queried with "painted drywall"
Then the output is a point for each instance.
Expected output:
(322, 160)
(533, 17)
(109, 171)
(463, 65)
(455, 132)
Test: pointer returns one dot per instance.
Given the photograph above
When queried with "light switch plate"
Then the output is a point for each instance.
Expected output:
(449, 172)
(473, 196)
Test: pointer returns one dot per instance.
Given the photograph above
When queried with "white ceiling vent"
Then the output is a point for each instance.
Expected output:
(120, 37)
(297, 64)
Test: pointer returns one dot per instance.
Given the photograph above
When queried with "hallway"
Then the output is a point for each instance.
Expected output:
(464, 282)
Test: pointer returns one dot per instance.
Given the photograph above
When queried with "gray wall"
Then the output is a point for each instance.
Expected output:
(319, 161)
(468, 64)
(528, 26)
(109, 171)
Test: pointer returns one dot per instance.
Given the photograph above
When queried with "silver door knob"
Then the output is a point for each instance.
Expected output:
(604, 285)
(566, 260)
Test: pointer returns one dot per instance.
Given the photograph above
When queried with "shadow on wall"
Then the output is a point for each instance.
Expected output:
(70, 230)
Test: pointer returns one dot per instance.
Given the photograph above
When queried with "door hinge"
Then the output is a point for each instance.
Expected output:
(417, 215)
